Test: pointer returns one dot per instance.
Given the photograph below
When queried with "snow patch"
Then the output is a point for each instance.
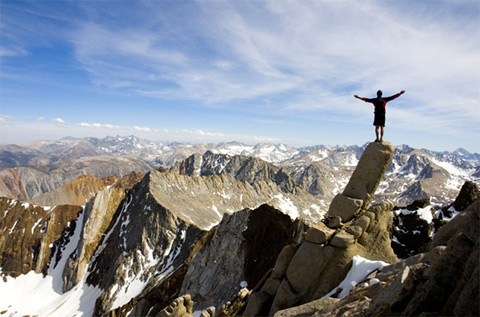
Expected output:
(361, 267)
(36, 224)
(424, 213)
(39, 298)
(287, 206)
(44, 294)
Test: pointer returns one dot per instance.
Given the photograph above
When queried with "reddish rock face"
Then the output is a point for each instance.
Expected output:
(83, 188)
(32, 234)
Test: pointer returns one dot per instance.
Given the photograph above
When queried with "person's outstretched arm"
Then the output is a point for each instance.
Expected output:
(394, 96)
(362, 98)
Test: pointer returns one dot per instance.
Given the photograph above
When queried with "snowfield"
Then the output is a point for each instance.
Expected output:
(33, 294)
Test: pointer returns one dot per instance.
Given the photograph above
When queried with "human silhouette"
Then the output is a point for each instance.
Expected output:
(380, 110)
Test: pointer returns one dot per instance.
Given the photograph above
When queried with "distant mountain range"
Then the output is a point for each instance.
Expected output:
(30, 170)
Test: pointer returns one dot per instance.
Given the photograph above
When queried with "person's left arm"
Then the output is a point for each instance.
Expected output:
(394, 96)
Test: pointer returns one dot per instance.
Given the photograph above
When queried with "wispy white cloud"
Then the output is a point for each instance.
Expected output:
(98, 125)
(58, 120)
(142, 129)
(6, 117)
(311, 51)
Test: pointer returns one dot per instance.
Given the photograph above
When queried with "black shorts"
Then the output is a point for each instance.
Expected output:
(379, 119)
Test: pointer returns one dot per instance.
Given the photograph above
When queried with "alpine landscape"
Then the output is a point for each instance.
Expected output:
(122, 226)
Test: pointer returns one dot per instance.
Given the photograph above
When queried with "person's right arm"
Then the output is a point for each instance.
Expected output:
(362, 98)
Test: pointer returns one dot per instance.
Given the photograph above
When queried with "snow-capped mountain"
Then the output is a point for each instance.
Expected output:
(413, 173)
(157, 153)
(321, 170)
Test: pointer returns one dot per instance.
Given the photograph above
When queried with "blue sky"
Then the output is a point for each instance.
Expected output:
(251, 71)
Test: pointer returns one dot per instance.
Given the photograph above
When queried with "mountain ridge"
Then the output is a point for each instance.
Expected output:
(320, 170)
(127, 145)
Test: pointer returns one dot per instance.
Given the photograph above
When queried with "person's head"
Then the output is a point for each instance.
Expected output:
(379, 93)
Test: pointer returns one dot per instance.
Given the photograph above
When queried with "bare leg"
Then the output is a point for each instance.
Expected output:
(376, 131)
(381, 134)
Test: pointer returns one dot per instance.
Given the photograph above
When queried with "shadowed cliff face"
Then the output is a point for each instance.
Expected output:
(244, 247)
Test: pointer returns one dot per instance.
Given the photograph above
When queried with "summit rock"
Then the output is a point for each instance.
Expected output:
(323, 259)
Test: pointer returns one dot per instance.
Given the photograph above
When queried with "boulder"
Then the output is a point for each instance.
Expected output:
(342, 239)
(468, 194)
(364, 181)
(333, 222)
(306, 265)
(466, 222)
(283, 260)
(319, 233)
(369, 171)
(345, 207)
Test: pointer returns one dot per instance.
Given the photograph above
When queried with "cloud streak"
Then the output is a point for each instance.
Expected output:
(22, 131)
(308, 50)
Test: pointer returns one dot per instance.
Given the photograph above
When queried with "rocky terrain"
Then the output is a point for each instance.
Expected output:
(235, 235)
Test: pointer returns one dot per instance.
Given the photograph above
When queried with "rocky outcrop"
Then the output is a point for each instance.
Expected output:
(311, 270)
(308, 271)
(33, 236)
(364, 181)
(182, 306)
(98, 216)
(469, 193)
(441, 282)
